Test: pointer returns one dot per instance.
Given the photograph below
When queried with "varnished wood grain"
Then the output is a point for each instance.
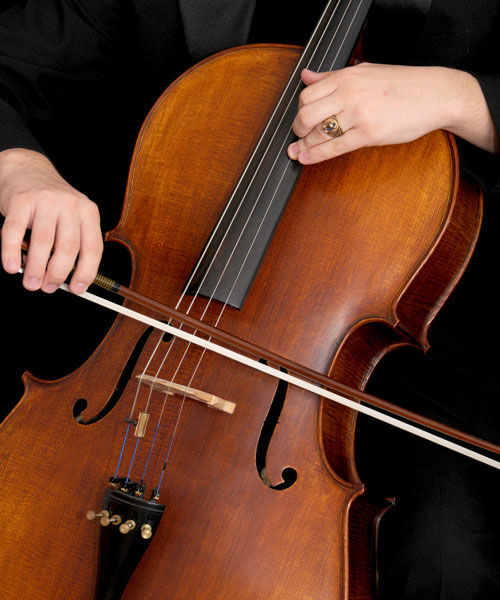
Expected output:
(331, 293)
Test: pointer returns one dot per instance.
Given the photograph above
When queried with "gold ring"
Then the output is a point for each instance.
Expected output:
(332, 127)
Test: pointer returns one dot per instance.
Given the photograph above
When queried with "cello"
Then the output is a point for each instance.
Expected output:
(264, 501)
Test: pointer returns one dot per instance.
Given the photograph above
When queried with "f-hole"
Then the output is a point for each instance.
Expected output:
(288, 474)
(81, 404)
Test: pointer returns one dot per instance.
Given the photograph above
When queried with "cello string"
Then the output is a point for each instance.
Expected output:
(278, 154)
(273, 197)
(245, 225)
(259, 166)
(266, 129)
(194, 372)
(292, 379)
(162, 411)
(333, 38)
(132, 411)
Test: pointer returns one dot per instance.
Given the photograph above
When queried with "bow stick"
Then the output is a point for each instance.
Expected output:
(312, 380)
(309, 379)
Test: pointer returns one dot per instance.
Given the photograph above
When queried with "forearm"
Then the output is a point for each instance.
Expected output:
(14, 133)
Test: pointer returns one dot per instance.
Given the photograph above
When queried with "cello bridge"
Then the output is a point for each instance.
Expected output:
(171, 388)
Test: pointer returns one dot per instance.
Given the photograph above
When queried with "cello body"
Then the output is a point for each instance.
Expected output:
(368, 248)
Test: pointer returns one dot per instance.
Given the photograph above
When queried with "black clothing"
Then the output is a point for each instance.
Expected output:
(77, 80)
(77, 88)
(442, 540)
(85, 74)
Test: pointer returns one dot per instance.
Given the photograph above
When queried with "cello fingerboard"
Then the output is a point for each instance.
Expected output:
(236, 247)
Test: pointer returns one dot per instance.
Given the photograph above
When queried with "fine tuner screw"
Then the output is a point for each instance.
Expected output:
(146, 532)
(115, 520)
(91, 514)
(127, 526)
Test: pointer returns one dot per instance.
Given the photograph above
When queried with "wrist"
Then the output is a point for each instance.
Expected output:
(465, 111)
(19, 161)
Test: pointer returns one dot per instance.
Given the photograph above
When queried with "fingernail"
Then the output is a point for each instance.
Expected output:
(32, 283)
(304, 157)
(293, 150)
(79, 287)
(50, 288)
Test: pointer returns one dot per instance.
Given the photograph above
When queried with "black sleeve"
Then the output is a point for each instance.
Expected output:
(47, 57)
(62, 61)
(482, 165)
(77, 78)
